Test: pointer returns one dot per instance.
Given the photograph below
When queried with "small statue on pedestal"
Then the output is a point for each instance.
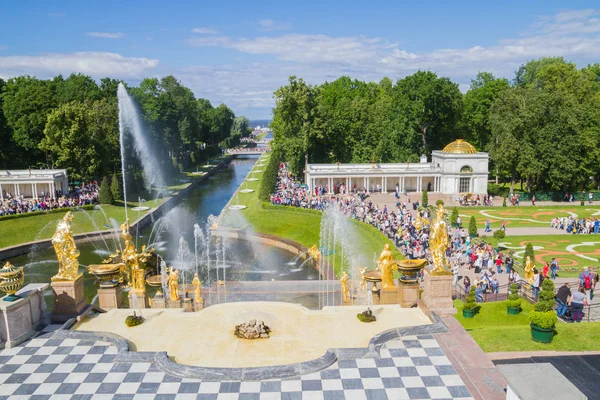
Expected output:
(386, 264)
(66, 251)
(344, 281)
(173, 283)
(197, 287)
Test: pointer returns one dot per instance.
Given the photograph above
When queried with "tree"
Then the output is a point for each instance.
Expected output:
(240, 126)
(528, 253)
(424, 198)
(454, 216)
(115, 188)
(434, 106)
(77, 87)
(472, 227)
(104, 194)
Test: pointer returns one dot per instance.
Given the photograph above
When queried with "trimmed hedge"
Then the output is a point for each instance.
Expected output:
(269, 178)
(56, 210)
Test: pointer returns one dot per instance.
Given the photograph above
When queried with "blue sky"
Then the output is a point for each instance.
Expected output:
(239, 52)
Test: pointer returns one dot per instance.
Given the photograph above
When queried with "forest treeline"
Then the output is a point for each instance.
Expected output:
(541, 129)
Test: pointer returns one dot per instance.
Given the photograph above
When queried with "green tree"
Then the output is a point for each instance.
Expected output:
(472, 227)
(115, 188)
(528, 253)
(104, 194)
(77, 87)
(454, 216)
(240, 126)
(424, 198)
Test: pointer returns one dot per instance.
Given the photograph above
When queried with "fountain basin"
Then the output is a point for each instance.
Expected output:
(409, 269)
(206, 338)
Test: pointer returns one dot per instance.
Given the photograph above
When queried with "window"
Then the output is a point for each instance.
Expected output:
(466, 169)
(465, 185)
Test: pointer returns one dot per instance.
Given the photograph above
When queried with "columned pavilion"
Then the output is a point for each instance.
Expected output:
(31, 183)
(458, 168)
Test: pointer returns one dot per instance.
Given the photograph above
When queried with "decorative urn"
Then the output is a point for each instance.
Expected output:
(11, 279)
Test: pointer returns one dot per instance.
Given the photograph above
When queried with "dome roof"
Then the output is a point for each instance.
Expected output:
(459, 147)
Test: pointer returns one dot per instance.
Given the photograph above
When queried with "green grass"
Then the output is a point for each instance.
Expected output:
(556, 246)
(261, 136)
(302, 226)
(494, 330)
(524, 216)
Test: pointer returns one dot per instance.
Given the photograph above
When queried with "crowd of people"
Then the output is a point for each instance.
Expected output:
(77, 197)
(577, 225)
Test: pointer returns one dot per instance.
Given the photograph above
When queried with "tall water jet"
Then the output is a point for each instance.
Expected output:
(129, 121)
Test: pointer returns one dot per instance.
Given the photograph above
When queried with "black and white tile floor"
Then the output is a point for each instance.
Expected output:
(413, 367)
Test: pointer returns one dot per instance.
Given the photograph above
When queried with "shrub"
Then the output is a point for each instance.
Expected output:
(543, 314)
(115, 188)
(424, 198)
(470, 303)
(440, 201)
(582, 201)
(528, 252)
(134, 320)
(504, 202)
(499, 234)
(473, 227)
(454, 216)
(514, 300)
(104, 194)
(269, 178)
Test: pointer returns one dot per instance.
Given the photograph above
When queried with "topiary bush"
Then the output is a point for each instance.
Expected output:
(269, 178)
(543, 314)
(504, 202)
(528, 252)
(424, 198)
(115, 188)
(454, 216)
(514, 300)
(104, 194)
(440, 201)
(473, 227)
(499, 234)
(134, 320)
(470, 303)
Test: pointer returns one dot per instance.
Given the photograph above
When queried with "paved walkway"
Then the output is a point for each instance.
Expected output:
(414, 367)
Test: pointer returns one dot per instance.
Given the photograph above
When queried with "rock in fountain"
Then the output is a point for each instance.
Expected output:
(254, 329)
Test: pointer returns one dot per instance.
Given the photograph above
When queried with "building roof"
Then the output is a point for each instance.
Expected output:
(459, 146)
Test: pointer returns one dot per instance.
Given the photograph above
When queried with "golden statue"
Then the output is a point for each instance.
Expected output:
(344, 281)
(66, 251)
(529, 270)
(439, 242)
(386, 264)
(315, 253)
(173, 283)
(138, 281)
(197, 287)
(419, 223)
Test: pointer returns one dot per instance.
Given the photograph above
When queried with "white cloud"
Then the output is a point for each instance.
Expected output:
(96, 64)
(205, 31)
(268, 25)
(106, 35)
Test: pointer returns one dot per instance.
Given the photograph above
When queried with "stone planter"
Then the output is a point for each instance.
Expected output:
(513, 310)
(468, 313)
(541, 335)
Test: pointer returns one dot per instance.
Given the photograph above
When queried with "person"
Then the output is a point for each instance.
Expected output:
(546, 269)
(467, 283)
(553, 268)
(585, 281)
(458, 222)
(577, 301)
(495, 286)
(533, 200)
(511, 277)
(504, 225)
(499, 264)
(591, 196)
(455, 270)
(479, 293)
(509, 263)
(594, 281)
(562, 298)
(535, 286)
(488, 226)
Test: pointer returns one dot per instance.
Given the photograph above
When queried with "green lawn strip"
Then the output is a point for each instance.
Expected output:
(494, 331)
(260, 136)
(302, 225)
(544, 214)
(556, 246)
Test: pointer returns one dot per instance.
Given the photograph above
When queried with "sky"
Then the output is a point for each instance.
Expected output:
(239, 52)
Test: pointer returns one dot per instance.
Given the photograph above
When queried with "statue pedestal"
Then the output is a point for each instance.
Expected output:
(388, 296)
(174, 303)
(408, 294)
(19, 319)
(138, 300)
(158, 302)
(188, 304)
(199, 304)
(110, 297)
(69, 299)
(437, 294)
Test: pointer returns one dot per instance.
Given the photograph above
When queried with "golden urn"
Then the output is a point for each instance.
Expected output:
(11, 279)
(409, 269)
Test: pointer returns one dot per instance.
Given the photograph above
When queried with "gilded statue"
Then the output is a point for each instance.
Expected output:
(138, 281)
(419, 223)
(363, 280)
(344, 281)
(66, 251)
(314, 253)
(173, 283)
(386, 264)
(529, 270)
(197, 287)
(439, 242)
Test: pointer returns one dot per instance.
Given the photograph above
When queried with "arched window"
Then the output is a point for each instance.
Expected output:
(466, 170)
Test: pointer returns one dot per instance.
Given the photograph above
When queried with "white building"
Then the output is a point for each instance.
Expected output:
(458, 168)
(30, 183)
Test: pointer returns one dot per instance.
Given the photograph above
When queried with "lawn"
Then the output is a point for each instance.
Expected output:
(525, 216)
(572, 251)
(494, 330)
(302, 226)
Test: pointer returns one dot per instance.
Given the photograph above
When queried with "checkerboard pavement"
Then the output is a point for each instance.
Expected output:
(413, 367)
